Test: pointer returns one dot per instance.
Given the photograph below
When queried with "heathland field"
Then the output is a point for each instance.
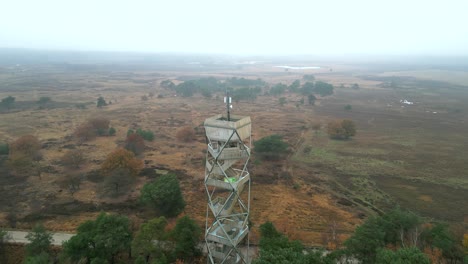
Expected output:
(411, 154)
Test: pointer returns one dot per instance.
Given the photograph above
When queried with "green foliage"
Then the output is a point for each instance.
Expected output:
(135, 143)
(164, 194)
(101, 102)
(247, 94)
(355, 86)
(242, 82)
(282, 101)
(44, 100)
(278, 89)
(294, 87)
(145, 239)
(404, 230)
(4, 148)
(323, 88)
(186, 235)
(145, 134)
(111, 131)
(168, 84)
(311, 99)
(348, 107)
(276, 248)
(42, 258)
(343, 129)
(39, 241)
(439, 236)
(7, 102)
(308, 77)
(365, 241)
(271, 146)
(186, 89)
(307, 88)
(100, 239)
(411, 255)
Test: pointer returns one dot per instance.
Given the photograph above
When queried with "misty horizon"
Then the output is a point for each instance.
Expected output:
(367, 28)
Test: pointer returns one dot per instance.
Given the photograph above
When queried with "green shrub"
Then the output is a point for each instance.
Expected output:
(4, 149)
(112, 131)
(146, 134)
(271, 147)
(164, 194)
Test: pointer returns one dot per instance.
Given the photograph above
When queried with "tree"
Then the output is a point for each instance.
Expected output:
(135, 143)
(122, 159)
(72, 182)
(4, 149)
(186, 89)
(7, 102)
(99, 123)
(120, 168)
(97, 126)
(294, 87)
(150, 240)
(42, 258)
(271, 146)
(355, 86)
(99, 240)
(39, 241)
(164, 194)
(145, 134)
(185, 134)
(411, 255)
(117, 181)
(282, 101)
(309, 77)
(111, 131)
(186, 235)
(307, 88)
(343, 129)
(44, 100)
(323, 88)
(84, 132)
(101, 102)
(3, 239)
(348, 107)
(278, 89)
(311, 99)
(396, 228)
(366, 239)
(73, 159)
(28, 146)
(168, 84)
(439, 236)
(276, 248)
(22, 164)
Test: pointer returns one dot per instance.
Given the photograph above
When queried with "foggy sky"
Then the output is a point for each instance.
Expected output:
(239, 26)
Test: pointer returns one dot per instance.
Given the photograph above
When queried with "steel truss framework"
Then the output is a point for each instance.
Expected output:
(227, 184)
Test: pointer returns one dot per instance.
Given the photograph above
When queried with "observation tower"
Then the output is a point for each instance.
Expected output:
(227, 184)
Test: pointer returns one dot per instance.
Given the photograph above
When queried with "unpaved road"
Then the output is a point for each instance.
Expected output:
(20, 237)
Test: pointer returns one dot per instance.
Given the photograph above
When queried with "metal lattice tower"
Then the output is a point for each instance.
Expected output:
(227, 184)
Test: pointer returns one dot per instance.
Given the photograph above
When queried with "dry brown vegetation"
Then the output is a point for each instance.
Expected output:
(398, 155)
(185, 134)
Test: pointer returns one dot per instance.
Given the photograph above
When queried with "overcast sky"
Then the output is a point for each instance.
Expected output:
(333, 27)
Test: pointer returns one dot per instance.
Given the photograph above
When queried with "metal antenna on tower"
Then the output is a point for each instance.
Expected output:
(228, 100)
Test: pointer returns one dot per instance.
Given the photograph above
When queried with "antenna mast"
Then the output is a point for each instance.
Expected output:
(227, 100)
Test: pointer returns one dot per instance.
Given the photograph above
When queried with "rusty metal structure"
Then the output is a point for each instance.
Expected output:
(227, 184)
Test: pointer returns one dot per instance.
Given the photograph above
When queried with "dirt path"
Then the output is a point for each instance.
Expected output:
(20, 237)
